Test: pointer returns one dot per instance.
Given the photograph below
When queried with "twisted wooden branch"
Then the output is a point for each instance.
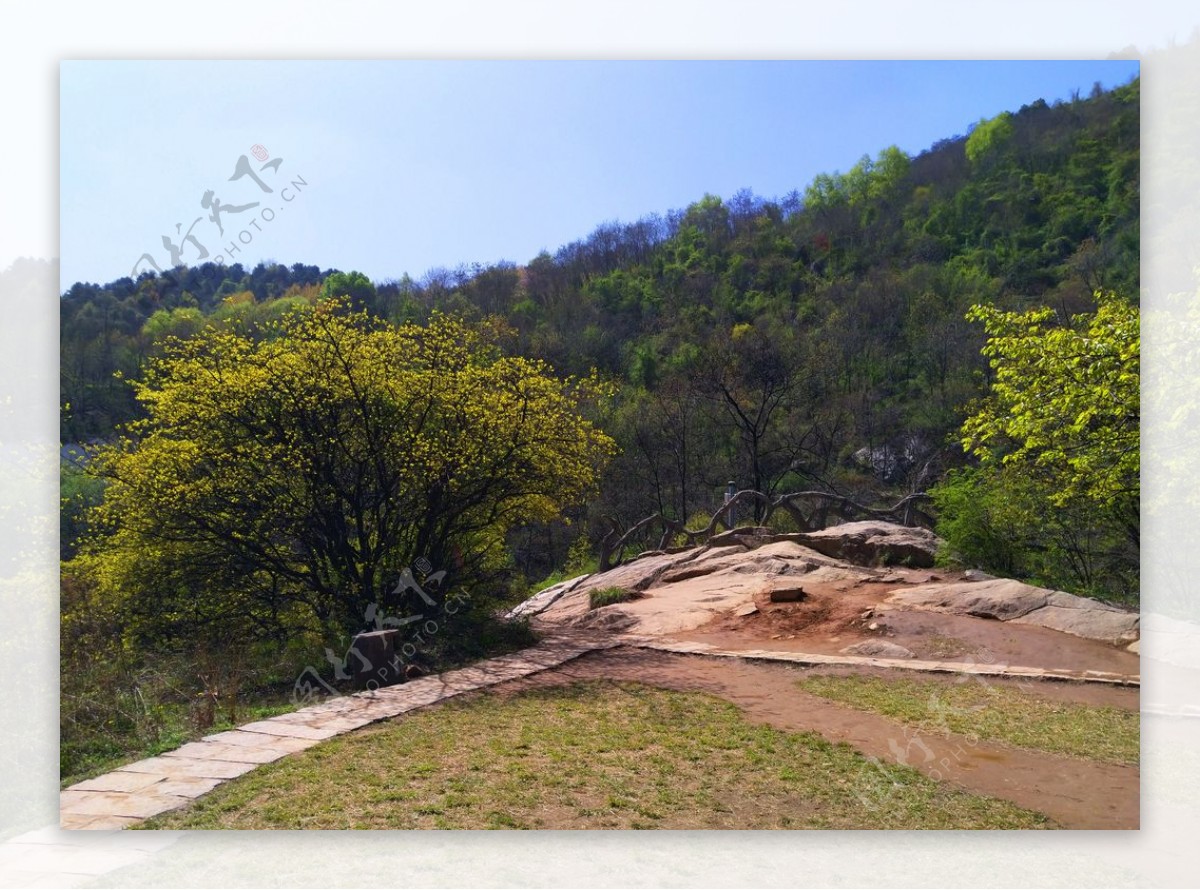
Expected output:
(903, 512)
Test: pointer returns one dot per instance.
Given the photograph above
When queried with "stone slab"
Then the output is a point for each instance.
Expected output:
(190, 787)
(138, 805)
(256, 740)
(266, 753)
(292, 730)
(947, 667)
(174, 767)
(117, 781)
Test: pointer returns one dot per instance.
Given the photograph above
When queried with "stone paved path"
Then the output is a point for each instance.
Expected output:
(146, 788)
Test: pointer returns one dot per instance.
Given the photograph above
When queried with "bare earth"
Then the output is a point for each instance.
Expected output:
(1075, 793)
(831, 618)
(763, 594)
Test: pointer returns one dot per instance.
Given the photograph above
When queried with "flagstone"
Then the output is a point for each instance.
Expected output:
(173, 767)
(294, 730)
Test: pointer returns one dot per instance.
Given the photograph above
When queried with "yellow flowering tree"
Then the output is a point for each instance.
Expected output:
(278, 481)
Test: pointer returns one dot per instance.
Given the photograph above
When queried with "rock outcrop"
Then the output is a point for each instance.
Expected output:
(1008, 600)
(1001, 598)
(1082, 617)
(760, 579)
(875, 543)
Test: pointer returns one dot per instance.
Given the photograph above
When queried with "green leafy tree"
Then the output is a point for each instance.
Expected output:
(988, 136)
(1056, 493)
(278, 482)
(1065, 399)
(355, 286)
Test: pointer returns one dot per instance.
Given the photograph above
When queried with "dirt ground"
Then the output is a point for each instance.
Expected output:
(837, 614)
(1075, 793)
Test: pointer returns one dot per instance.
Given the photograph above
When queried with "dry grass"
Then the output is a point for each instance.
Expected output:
(992, 711)
(592, 755)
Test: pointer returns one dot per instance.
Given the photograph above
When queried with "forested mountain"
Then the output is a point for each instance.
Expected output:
(815, 341)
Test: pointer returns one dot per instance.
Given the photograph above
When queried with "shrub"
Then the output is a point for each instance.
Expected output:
(607, 596)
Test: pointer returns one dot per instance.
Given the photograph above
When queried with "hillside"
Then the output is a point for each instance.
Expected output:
(815, 341)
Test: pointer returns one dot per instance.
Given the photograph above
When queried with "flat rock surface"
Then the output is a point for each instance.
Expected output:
(1093, 624)
(1001, 598)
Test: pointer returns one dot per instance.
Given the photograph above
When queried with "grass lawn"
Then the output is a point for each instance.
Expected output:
(992, 711)
(592, 755)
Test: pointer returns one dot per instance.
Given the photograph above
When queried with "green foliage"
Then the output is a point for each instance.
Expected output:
(354, 288)
(79, 493)
(982, 522)
(989, 136)
(860, 285)
(1065, 399)
(867, 180)
(182, 322)
(1056, 494)
(581, 558)
(607, 596)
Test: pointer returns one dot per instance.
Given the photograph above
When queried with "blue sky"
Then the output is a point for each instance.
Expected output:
(410, 165)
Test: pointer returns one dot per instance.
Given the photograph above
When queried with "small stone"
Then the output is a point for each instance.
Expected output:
(874, 625)
(878, 648)
(867, 614)
(976, 575)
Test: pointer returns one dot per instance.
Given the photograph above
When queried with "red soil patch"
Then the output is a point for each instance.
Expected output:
(837, 614)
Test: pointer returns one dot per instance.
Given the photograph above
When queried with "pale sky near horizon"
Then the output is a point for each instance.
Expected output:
(410, 165)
